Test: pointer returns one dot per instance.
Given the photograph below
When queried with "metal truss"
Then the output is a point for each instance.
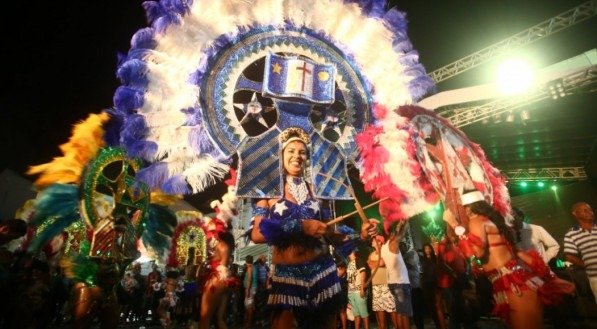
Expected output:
(537, 174)
(566, 85)
(537, 32)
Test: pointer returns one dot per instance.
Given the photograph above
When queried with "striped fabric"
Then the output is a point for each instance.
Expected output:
(309, 285)
(259, 167)
(329, 170)
(583, 244)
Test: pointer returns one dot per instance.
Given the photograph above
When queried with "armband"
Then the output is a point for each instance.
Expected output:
(260, 211)
(276, 231)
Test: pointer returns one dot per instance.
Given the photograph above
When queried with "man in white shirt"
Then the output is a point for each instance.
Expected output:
(534, 237)
(397, 273)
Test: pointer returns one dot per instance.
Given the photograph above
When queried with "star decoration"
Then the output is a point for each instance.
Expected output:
(314, 206)
(252, 110)
(331, 122)
(192, 236)
(280, 208)
(277, 68)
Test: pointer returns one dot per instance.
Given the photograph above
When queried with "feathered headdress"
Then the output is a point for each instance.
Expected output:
(189, 143)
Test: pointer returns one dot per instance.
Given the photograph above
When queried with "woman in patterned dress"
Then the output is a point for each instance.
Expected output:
(382, 300)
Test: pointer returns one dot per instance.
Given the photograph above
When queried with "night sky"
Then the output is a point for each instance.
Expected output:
(60, 57)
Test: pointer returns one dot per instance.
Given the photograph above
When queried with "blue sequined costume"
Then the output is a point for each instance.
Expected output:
(312, 288)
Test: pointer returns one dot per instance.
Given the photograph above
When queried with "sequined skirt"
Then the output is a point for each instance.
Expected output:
(312, 285)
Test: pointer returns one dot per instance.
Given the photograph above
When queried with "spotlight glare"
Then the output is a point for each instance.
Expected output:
(515, 76)
(540, 184)
(554, 187)
(523, 184)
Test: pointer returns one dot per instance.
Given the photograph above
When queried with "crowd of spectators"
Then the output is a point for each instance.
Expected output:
(389, 278)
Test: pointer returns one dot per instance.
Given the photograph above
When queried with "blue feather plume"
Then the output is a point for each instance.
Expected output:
(132, 73)
(177, 185)
(143, 39)
(154, 175)
(127, 99)
(112, 128)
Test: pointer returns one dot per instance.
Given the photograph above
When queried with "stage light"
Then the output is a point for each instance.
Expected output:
(523, 184)
(554, 187)
(515, 76)
(556, 88)
(540, 184)
(510, 117)
(525, 115)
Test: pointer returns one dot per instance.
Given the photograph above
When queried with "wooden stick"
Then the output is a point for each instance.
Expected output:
(364, 219)
(343, 217)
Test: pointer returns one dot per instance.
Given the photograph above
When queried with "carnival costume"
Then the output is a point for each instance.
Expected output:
(216, 231)
(516, 276)
(89, 198)
(306, 287)
(211, 80)
(196, 237)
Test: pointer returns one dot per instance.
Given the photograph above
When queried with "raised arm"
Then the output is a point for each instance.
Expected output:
(396, 236)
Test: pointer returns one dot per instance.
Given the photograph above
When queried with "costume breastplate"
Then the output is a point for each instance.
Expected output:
(284, 209)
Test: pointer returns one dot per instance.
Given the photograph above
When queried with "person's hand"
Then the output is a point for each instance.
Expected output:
(369, 230)
(400, 230)
(314, 228)
(362, 293)
(449, 218)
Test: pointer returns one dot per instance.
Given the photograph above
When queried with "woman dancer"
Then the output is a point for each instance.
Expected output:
(305, 284)
(521, 280)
